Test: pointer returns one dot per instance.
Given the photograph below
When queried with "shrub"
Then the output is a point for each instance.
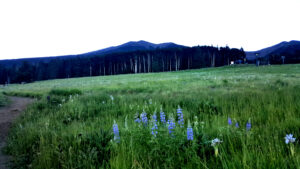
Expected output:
(65, 92)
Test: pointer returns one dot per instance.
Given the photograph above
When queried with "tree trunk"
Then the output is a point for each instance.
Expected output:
(179, 62)
(100, 70)
(104, 69)
(149, 62)
(90, 70)
(163, 64)
(114, 69)
(170, 64)
(176, 62)
(214, 60)
(140, 64)
(135, 65)
(144, 64)
(188, 60)
(131, 66)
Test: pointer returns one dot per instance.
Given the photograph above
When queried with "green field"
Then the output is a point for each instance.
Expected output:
(73, 127)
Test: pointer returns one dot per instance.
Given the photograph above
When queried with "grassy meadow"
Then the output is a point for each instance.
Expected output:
(118, 121)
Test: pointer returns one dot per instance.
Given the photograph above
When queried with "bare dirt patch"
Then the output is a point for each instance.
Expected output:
(7, 115)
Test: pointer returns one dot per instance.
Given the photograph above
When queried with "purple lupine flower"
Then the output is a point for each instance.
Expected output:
(154, 117)
(248, 126)
(137, 120)
(154, 130)
(289, 139)
(144, 118)
(162, 117)
(180, 117)
(190, 133)
(116, 132)
(237, 125)
(171, 126)
(229, 121)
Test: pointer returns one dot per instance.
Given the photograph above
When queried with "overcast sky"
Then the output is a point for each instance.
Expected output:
(36, 28)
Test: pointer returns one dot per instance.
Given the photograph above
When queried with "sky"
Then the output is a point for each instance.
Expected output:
(38, 28)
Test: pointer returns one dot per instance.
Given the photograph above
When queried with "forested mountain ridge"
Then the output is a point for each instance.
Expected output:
(273, 54)
(131, 57)
(126, 47)
(133, 46)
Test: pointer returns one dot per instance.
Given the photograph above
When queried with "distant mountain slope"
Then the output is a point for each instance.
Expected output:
(289, 49)
(126, 47)
(133, 46)
(132, 57)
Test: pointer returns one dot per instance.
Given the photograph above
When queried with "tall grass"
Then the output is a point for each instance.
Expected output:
(3, 100)
(75, 131)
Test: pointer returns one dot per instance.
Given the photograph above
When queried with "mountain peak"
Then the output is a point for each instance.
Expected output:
(281, 48)
(134, 46)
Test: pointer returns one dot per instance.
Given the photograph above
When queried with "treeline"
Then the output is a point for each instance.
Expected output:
(159, 60)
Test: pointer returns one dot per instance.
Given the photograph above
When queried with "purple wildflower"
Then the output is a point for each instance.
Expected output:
(171, 126)
(289, 139)
(154, 117)
(162, 117)
(116, 132)
(189, 131)
(215, 142)
(154, 129)
(180, 117)
(137, 120)
(248, 126)
(237, 125)
(229, 121)
(144, 118)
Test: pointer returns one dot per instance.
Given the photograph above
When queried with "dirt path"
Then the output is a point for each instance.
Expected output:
(7, 115)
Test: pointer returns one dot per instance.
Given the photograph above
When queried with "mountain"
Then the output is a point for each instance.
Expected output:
(131, 57)
(291, 50)
(126, 47)
(133, 46)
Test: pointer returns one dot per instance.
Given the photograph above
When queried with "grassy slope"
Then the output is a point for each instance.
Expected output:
(75, 132)
(202, 77)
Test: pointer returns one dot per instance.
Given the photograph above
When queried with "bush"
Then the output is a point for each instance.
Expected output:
(65, 92)
(3, 100)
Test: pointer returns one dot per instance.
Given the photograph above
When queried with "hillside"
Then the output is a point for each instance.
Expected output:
(133, 46)
(126, 47)
(291, 51)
